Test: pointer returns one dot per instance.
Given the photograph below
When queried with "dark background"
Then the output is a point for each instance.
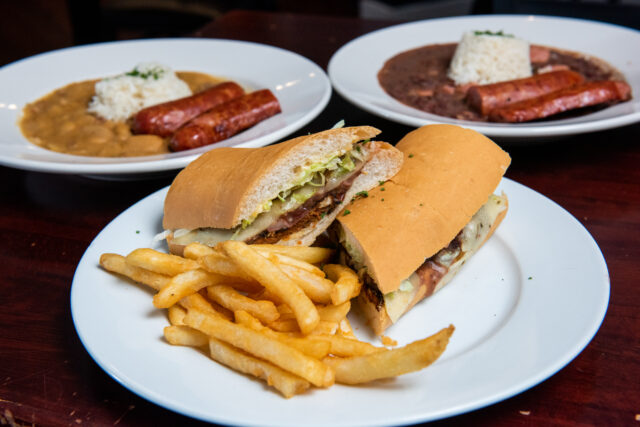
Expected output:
(29, 27)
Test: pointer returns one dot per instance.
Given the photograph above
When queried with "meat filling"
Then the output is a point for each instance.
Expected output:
(311, 212)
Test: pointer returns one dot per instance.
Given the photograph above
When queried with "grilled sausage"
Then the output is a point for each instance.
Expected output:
(583, 95)
(497, 95)
(164, 119)
(226, 120)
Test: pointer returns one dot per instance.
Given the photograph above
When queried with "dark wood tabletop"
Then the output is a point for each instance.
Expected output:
(47, 221)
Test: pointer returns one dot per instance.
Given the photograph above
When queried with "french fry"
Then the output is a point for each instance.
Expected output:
(280, 259)
(276, 281)
(346, 347)
(390, 363)
(184, 284)
(228, 297)
(347, 283)
(334, 313)
(286, 383)
(185, 335)
(197, 250)
(159, 262)
(262, 346)
(197, 301)
(176, 315)
(345, 329)
(118, 264)
(290, 325)
(219, 263)
(317, 288)
(312, 255)
(316, 348)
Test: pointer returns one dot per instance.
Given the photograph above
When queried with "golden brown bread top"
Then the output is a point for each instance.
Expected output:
(448, 174)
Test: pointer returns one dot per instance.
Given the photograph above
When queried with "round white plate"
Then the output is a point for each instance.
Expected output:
(353, 69)
(302, 88)
(524, 306)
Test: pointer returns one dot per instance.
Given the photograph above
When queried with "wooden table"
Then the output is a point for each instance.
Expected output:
(47, 221)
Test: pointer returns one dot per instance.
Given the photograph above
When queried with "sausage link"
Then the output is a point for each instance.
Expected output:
(497, 95)
(164, 119)
(226, 120)
(584, 95)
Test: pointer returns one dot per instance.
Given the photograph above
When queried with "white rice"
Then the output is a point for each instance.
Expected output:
(484, 59)
(121, 96)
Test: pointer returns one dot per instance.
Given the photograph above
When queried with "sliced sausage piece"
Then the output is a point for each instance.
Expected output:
(496, 95)
(226, 120)
(164, 119)
(583, 95)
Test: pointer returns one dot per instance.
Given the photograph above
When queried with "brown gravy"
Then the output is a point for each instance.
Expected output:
(60, 122)
(418, 78)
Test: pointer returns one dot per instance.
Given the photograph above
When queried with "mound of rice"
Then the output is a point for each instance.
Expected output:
(121, 96)
(489, 58)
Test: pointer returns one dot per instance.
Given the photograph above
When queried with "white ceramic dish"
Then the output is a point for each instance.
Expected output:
(354, 67)
(524, 306)
(302, 88)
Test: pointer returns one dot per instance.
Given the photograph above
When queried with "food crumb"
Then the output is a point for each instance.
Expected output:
(389, 342)
(525, 412)
(637, 417)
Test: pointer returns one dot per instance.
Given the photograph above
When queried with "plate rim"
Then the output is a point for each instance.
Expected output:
(74, 164)
(572, 351)
(506, 131)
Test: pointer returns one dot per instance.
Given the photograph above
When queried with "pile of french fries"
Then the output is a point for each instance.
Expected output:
(270, 311)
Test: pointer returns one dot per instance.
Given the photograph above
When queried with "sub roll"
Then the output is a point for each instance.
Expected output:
(411, 235)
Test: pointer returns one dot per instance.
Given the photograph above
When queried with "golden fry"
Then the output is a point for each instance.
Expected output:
(317, 288)
(185, 335)
(347, 347)
(312, 255)
(197, 301)
(274, 280)
(118, 264)
(176, 315)
(184, 284)
(334, 313)
(286, 383)
(197, 250)
(391, 363)
(159, 262)
(228, 297)
(347, 283)
(345, 329)
(280, 259)
(262, 346)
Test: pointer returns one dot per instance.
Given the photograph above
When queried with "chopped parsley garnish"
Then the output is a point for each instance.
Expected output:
(156, 73)
(323, 214)
(382, 189)
(491, 33)
(362, 194)
(381, 183)
(382, 200)
(410, 156)
(346, 212)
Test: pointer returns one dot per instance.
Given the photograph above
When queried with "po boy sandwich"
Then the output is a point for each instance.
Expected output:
(287, 193)
(410, 235)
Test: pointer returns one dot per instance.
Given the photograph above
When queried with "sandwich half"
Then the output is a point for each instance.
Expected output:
(412, 234)
(287, 193)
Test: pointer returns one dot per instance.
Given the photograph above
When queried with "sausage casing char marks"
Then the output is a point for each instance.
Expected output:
(164, 119)
(578, 96)
(488, 97)
(226, 120)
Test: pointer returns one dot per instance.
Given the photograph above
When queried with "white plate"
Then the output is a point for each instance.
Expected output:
(354, 67)
(524, 306)
(302, 88)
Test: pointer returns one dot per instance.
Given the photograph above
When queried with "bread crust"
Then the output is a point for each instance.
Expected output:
(226, 185)
(448, 174)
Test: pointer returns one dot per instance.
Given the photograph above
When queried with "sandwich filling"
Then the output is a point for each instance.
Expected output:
(436, 270)
(319, 189)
